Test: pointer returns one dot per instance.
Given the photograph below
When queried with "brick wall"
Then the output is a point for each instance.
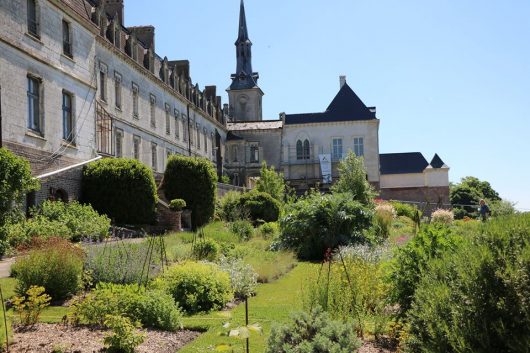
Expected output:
(427, 198)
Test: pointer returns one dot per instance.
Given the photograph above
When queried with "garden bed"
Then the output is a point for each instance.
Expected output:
(61, 338)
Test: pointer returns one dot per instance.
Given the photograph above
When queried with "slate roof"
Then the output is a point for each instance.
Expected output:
(82, 7)
(402, 163)
(254, 125)
(346, 106)
(437, 161)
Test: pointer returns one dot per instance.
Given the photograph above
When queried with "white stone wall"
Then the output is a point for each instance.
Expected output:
(320, 136)
(150, 86)
(436, 177)
(245, 105)
(22, 54)
(430, 177)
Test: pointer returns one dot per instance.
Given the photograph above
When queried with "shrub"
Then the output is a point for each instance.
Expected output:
(30, 306)
(197, 287)
(242, 228)
(230, 209)
(177, 205)
(476, 299)
(123, 263)
(442, 216)
(123, 337)
(123, 189)
(313, 332)
(206, 249)
(269, 230)
(353, 179)
(153, 308)
(271, 182)
(260, 206)
(383, 217)
(57, 266)
(411, 260)
(318, 222)
(405, 209)
(195, 181)
(243, 278)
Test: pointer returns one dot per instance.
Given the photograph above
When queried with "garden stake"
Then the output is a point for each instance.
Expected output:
(145, 260)
(5, 319)
(246, 319)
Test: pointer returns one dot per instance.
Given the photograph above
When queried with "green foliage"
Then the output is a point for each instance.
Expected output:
(197, 287)
(123, 189)
(383, 217)
(353, 179)
(271, 182)
(224, 179)
(206, 249)
(477, 298)
(313, 332)
(57, 266)
(242, 228)
(123, 262)
(269, 230)
(195, 181)
(152, 307)
(177, 205)
(30, 306)
(469, 192)
(411, 260)
(405, 209)
(243, 278)
(502, 208)
(123, 337)
(260, 206)
(318, 222)
(230, 209)
(15, 182)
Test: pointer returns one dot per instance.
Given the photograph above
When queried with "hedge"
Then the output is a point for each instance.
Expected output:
(194, 180)
(260, 206)
(123, 189)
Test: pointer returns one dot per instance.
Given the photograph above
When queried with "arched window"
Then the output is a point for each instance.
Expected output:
(306, 149)
(299, 150)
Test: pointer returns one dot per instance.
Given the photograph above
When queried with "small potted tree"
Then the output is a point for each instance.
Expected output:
(177, 205)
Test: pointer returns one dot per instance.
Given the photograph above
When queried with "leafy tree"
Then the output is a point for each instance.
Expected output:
(15, 182)
(469, 192)
(271, 182)
(353, 179)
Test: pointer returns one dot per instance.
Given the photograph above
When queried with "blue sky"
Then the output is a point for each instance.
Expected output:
(451, 77)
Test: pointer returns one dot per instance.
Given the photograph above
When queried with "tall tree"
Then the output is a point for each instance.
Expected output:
(271, 182)
(465, 196)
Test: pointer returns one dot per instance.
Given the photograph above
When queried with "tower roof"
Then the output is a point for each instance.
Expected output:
(346, 106)
(437, 161)
(243, 31)
(402, 163)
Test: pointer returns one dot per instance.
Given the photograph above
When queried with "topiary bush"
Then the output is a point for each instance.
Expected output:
(206, 249)
(177, 205)
(260, 206)
(153, 308)
(313, 332)
(195, 181)
(477, 298)
(410, 261)
(56, 265)
(123, 189)
(197, 287)
(318, 222)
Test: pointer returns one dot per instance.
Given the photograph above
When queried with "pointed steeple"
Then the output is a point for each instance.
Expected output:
(244, 78)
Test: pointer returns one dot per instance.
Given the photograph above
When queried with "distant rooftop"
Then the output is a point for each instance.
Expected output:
(254, 125)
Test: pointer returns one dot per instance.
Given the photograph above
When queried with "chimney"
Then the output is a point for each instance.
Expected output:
(114, 6)
(342, 80)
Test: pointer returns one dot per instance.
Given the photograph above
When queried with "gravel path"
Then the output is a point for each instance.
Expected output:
(45, 338)
(5, 267)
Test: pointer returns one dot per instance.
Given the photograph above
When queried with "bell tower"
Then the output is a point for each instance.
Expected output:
(244, 95)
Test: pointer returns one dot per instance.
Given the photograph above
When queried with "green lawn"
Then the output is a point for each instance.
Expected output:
(273, 303)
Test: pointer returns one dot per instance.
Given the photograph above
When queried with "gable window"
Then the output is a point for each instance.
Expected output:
(154, 159)
(254, 153)
(33, 19)
(337, 149)
(68, 120)
(119, 143)
(152, 100)
(135, 94)
(67, 39)
(34, 117)
(117, 90)
(177, 123)
(168, 120)
(358, 146)
(136, 147)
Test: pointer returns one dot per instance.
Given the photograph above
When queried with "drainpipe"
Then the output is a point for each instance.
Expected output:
(0, 117)
(189, 131)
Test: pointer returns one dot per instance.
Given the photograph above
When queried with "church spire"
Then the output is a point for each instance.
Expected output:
(244, 78)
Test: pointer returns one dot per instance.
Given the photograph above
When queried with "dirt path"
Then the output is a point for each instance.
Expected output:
(5, 266)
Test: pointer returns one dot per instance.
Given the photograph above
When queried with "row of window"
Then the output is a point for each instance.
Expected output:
(35, 117)
(303, 149)
(192, 132)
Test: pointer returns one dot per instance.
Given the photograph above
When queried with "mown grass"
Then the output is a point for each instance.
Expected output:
(273, 304)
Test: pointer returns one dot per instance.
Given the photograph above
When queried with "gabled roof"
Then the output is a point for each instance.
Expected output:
(402, 163)
(346, 106)
(437, 162)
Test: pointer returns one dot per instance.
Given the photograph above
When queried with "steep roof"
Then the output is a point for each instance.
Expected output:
(402, 163)
(346, 106)
(437, 161)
